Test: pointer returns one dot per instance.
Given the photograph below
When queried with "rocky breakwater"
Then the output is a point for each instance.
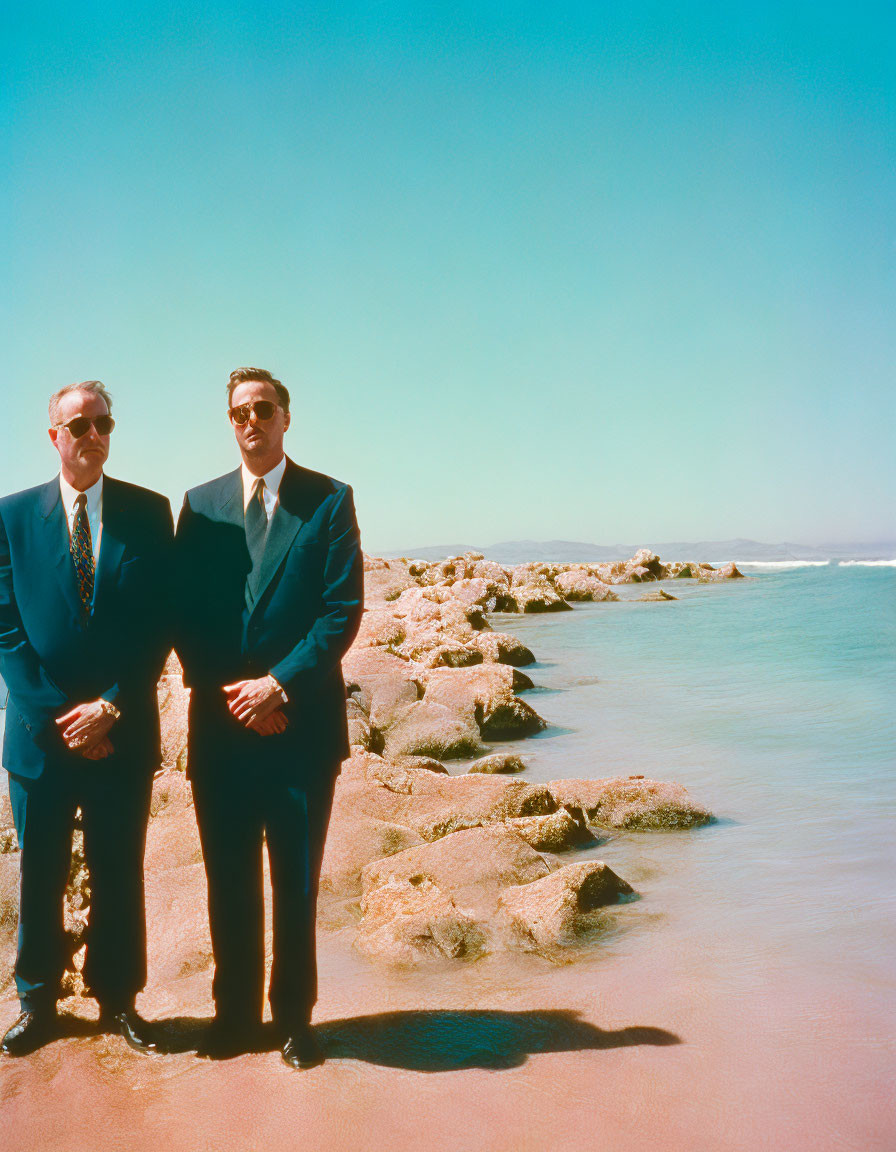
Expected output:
(420, 863)
(425, 864)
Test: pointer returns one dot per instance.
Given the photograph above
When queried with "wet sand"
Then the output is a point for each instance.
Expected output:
(508, 1054)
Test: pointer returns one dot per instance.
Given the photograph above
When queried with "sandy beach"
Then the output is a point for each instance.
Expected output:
(536, 1043)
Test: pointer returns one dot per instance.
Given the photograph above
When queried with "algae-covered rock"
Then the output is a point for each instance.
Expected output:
(631, 803)
(563, 908)
(407, 923)
(502, 648)
(428, 728)
(507, 762)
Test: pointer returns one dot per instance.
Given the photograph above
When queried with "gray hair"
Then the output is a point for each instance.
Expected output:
(94, 387)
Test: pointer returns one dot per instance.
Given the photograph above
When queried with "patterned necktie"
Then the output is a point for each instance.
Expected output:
(82, 553)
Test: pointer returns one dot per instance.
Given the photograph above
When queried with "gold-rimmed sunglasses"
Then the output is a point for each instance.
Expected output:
(261, 409)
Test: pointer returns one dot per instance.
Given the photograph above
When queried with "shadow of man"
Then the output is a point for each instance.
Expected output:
(440, 1041)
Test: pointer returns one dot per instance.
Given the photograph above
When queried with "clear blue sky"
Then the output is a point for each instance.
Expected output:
(588, 271)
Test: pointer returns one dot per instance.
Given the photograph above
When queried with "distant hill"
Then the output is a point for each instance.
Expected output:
(568, 551)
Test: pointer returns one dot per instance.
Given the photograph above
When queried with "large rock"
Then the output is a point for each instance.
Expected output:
(489, 570)
(726, 572)
(632, 803)
(353, 844)
(507, 762)
(538, 596)
(580, 584)
(650, 562)
(380, 627)
(501, 648)
(485, 695)
(385, 580)
(679, 570)
(406, 923)
(472, 866)
(451, 654)
(555, 832)
(430, 728)
(484, 594)
(380, 808)
(564, 907)
(435, 805)
(360, 664)
(390, 698)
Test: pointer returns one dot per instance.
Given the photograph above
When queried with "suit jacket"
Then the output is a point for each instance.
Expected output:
(305, 612)
(50, 658)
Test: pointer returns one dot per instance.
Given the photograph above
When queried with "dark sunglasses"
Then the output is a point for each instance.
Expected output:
(263, 410)
(81, 425)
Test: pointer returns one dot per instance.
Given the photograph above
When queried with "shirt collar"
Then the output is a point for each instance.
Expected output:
(271, 480)
(69, 495)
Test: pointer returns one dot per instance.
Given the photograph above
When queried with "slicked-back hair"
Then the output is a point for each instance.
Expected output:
(94, 387)
(261, 376)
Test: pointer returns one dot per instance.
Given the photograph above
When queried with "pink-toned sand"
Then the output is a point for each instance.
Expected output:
(509, 1053)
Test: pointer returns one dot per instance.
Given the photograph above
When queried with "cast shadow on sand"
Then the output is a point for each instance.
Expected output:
(445, 1040)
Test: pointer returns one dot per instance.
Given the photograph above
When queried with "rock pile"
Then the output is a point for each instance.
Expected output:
(421, 864)
(438, 865)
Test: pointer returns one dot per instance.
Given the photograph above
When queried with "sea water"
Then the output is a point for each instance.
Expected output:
(773, 700)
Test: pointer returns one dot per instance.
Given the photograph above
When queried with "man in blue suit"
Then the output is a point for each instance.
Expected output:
(271, 589)
(84, 562)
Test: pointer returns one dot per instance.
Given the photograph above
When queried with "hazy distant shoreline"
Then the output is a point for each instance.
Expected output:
(739, 550)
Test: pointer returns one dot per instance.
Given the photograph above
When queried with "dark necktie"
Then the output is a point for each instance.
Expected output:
(82, 553)
(256, 530)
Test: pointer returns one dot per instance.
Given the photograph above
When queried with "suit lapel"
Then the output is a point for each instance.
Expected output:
(112, 541)
(231, 511)
(231, 498)
(285, 525)
(58, 543)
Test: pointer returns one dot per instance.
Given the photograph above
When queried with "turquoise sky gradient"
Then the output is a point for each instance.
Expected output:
(587, 271)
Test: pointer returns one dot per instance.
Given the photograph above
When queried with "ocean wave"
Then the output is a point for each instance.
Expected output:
(779, 564)
(867, 563)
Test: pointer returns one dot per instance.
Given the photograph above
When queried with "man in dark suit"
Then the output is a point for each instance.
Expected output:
(271, 589)
(84, 633)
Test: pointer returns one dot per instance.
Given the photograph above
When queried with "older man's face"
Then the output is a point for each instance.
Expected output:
(259, 439)
(81, 455)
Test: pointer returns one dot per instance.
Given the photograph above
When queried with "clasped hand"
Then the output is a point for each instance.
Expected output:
(85, 730)
(256, 704)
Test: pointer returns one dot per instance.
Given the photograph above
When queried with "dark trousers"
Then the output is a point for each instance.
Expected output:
(114, 807)
(236, 810)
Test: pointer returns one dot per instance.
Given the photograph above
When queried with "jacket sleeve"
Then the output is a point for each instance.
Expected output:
(187, 585)
(36, 697)
(342, 603)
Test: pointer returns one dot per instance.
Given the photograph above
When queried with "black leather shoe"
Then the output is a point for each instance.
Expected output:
(29, 1032)
(225, 1038)
(132, 1027)
(302, 1048)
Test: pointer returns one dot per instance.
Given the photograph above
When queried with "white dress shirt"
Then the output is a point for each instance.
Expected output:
(94, 510)
(271, 488)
